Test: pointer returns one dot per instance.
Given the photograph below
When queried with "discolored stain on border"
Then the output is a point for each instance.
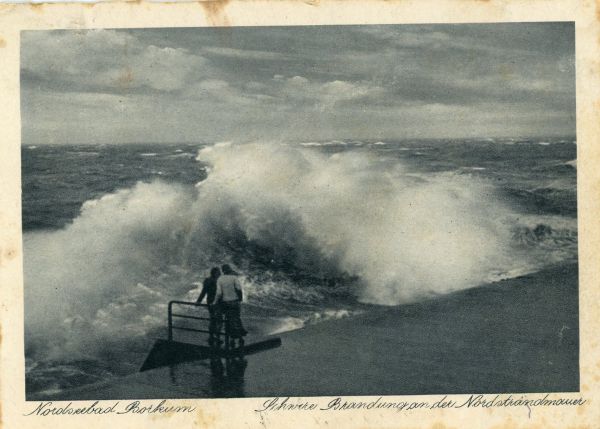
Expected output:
(215, 12)
(7, 7)
(7, 254)
(37, 7)
(203, 419)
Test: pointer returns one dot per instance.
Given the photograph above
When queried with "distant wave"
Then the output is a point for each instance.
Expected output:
(334, 143)
(181, 155)
(84, 153)
(292, 323)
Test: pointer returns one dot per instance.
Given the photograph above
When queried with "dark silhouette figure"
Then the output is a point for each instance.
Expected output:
(209, 290)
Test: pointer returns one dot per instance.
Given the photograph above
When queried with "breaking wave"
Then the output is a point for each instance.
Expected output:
(300, 226)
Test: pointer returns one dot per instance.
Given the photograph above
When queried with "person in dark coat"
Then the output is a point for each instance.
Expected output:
(209, 290)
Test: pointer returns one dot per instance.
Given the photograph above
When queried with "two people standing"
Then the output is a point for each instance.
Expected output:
(224, 295)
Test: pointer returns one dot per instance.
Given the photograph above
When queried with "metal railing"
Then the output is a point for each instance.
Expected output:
(267, 344)
(186, 316)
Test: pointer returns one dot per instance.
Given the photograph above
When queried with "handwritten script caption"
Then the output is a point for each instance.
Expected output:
(277, 404)
(47, 408)
(473, 401)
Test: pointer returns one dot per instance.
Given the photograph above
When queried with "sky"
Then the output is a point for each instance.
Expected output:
(309, 83)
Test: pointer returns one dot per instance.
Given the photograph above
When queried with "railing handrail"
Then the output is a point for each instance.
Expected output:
(193, 303)
(171, 315)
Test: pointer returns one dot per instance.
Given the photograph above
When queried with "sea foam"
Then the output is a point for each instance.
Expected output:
(109, 274)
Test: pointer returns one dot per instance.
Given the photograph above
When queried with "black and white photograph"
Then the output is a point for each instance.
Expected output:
(299, 211)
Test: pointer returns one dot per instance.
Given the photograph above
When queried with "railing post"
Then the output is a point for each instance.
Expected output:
(226, 328)
(170, 321)
(170, 316)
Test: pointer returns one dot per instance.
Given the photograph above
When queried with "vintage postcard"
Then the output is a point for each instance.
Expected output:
(285, 214)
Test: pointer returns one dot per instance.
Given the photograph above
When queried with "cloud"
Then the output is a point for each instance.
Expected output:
(324, 95)
(402, 38)
(231, 97)
(444, 37)
(212, 85)
(288, 93)
(350, 81)
(247, 54)
(107, 59)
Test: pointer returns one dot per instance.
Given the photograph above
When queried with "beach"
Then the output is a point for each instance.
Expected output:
(516, 335)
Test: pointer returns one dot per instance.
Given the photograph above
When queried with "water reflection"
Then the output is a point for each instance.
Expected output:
(210, 372)
(226, 378)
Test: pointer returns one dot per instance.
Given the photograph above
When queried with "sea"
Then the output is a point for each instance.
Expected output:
(315, 230)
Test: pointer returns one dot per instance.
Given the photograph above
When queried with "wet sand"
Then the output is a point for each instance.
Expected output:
(517, 335)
